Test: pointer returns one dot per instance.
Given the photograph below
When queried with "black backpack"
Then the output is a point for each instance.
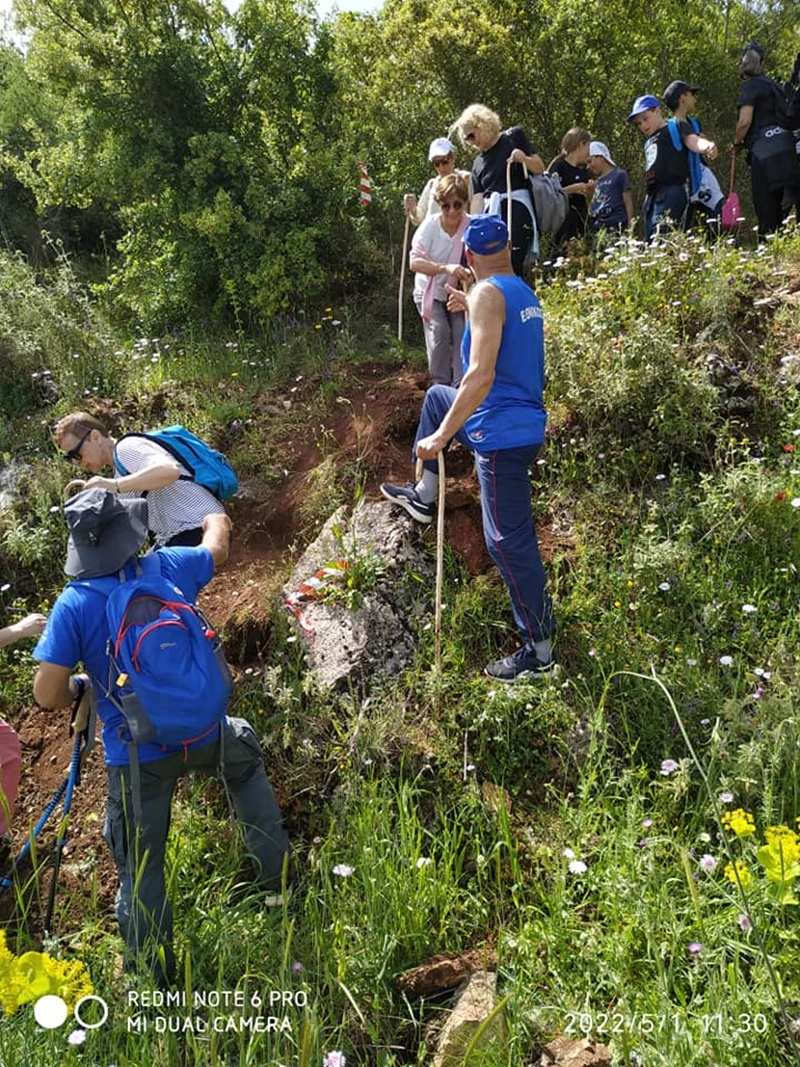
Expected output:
(787, 109)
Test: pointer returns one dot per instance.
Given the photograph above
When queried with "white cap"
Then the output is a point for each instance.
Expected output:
(597, 148)
(439, 148)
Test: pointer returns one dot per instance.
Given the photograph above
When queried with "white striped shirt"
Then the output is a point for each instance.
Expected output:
(177, 507)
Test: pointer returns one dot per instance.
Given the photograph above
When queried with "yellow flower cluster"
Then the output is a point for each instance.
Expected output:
(745, 877)
(36, 974)
(741, 822)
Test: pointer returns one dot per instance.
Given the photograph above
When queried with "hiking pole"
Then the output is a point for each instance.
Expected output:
(73, 779)
(402, 280)
(437, 610)
(508, 198)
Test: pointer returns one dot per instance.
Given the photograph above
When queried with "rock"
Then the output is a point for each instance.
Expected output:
(353, 636)
(444, 972)
(569, 1052)
(472, 1007)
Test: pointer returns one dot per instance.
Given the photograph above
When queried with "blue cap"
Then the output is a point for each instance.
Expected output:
(642, 103)
(486, 234)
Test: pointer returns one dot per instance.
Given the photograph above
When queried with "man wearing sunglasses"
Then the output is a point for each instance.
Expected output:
(176, 505)
(442, 155)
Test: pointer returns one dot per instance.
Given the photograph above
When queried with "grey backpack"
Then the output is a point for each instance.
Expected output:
(550, 202)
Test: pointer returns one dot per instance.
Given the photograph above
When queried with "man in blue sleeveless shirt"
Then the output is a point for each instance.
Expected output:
(498, 413)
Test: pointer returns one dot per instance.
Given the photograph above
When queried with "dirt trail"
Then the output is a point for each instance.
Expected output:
(372, 430)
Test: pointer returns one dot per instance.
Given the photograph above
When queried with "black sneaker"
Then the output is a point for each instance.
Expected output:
(520, 666)
(407, 497)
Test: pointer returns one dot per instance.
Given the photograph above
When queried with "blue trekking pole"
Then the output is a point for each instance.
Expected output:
(84, 742)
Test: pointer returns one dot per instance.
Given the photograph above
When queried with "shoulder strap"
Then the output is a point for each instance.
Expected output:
(169, 448)
(675, 135)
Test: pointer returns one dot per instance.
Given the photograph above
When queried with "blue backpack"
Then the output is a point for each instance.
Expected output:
(167, 670)
(207, 467)
(695, 164)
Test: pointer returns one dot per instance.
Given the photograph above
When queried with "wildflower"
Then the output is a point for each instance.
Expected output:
(423, 861)
(5, 587)
(780, 496)
(664, 587)
(708, 863)
(741, 822)
(704, 837)
(668, 767)
(726, 798)
(739, 874)
(691, 662)
(748, 609)
(647, 823)
(344, 870)
(297, 967)
(334, 1059)
(77, 1037)
(726, 661)
(788, 448)
(570, 855)
(694, 948)
(577, 867)
(745, 923)
(796, 502)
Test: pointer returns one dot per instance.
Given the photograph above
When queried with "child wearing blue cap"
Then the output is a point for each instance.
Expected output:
(666, 169)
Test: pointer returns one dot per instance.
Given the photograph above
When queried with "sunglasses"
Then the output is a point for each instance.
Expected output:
(456, 205)
(74, 454)
(441, 162)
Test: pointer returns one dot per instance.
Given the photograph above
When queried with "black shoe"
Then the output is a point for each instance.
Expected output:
(521, 666)
(407, 497)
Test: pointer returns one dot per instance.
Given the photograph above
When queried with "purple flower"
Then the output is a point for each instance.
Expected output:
(694, 948)
(726, 798)
(708, 863)
(745, 923)
(647, 823)
(334, 1059)
(668, 767)
(297, 966)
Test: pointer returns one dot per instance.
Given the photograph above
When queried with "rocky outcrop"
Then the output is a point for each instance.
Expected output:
(359, 592)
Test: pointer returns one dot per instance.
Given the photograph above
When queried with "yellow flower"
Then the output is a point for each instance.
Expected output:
(745, 877)
(741, 822)
(36, 974)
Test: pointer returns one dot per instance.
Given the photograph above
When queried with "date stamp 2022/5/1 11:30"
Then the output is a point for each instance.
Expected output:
(602, 1024)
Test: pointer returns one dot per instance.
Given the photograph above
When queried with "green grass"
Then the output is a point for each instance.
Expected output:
(574, 828)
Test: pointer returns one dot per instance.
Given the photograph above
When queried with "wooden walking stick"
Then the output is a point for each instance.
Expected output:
(402, 281)
(437, 615)
(508, 200)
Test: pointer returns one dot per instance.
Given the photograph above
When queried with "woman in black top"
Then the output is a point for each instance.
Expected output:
(774, 167)
(478, 127)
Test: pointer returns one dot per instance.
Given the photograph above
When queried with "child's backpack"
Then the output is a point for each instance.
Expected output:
(207, 467)
(704, 189)
(167, 670)
(550, 202)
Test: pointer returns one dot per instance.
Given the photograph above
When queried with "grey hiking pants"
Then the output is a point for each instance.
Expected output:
(143, 911)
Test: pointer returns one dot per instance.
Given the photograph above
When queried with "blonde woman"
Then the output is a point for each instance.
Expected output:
(435, 258)
(479, 127)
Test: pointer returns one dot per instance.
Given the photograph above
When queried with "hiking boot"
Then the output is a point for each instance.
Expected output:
(521, 666)
(407, 497)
